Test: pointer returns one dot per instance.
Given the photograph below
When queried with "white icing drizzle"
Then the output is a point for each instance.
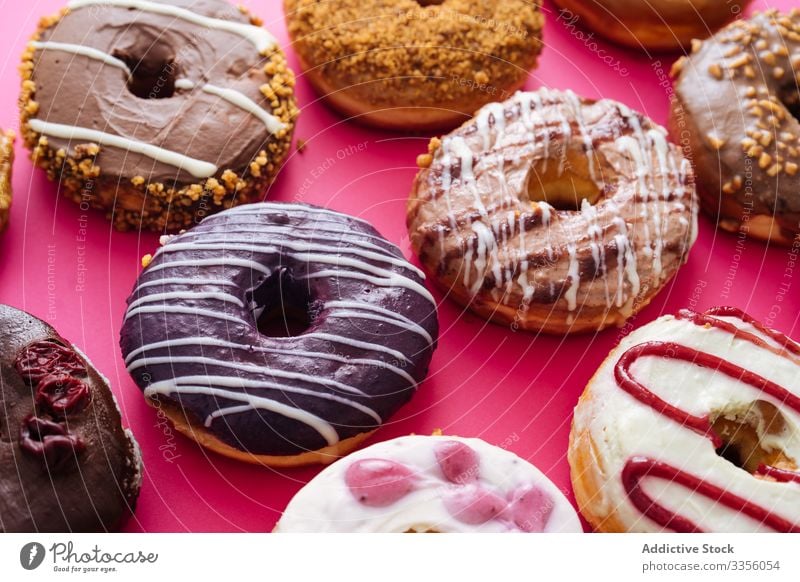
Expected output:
(248, 368)
(239, 99)
(217, 262)
(261, 39)
(588, 145)
(232, 250)
(573, 275)
(184, 84)
(195, 167)
(397, 319)
(322, 426)
(196, 311)
(214, 342)
(186, 296)
(85, 51)
(301, 250)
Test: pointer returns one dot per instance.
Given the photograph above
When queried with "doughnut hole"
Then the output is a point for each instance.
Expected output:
(564, 187)
(746, 433)
(282, 305)
(153, 73)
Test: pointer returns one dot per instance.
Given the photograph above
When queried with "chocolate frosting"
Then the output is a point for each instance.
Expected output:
(737, 102)
(76, 90)
(93, 489)
(190, 335)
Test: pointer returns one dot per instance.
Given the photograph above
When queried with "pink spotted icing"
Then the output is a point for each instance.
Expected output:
(382, 482)
(379, 482)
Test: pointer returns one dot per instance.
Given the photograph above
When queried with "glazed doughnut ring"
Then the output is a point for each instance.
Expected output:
(430, 484)
(736, 107)
(550, 212)
(692, 424)
(415, 65)
(192, 343)
(159, 113)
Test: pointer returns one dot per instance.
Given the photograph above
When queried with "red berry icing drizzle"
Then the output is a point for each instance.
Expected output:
(49, 440)
(46, 357)
(380, 483)
(61, 395)
(54, 370)
(638, 468)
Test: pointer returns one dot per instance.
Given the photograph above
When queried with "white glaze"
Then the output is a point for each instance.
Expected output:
(325, 504)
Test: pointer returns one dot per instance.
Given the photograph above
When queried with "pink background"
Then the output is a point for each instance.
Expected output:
(513, 389)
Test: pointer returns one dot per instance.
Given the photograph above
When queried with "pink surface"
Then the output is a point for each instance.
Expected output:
(513, 389)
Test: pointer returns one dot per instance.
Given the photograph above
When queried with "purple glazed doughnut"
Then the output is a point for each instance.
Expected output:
(192, 343)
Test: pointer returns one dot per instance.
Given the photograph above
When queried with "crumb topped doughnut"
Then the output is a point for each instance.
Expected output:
(193, 343)
(692, 424)
(6, 161)
(552, 212)
(415, 65)
(66, 462)
(159, 113)
(431, 484)
(652, 24)
(736, 106)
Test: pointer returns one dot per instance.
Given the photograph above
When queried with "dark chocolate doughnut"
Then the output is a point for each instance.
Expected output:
(157, 112)
(192, 344)
(66, 463)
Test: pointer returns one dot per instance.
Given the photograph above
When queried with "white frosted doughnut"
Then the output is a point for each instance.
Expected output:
(427, 484)
(692, 424)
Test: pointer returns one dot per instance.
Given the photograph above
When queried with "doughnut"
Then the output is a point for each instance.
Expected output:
(6, 161)
(736, 111)
(66, 463)
(159, 113)
(196, 340)
(430, 484)
(660, 25)
(410, 64)
(551, 212)
(692, 424)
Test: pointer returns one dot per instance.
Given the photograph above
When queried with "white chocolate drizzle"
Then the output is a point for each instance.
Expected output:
(261, 39)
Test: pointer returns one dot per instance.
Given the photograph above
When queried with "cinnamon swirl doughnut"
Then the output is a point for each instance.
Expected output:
(692, 424)
(555, 213)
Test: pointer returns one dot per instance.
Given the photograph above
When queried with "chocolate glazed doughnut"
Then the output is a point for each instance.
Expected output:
(736, 110)
(192, 343)
(66, 463)
(555, 213)
(157, 112)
